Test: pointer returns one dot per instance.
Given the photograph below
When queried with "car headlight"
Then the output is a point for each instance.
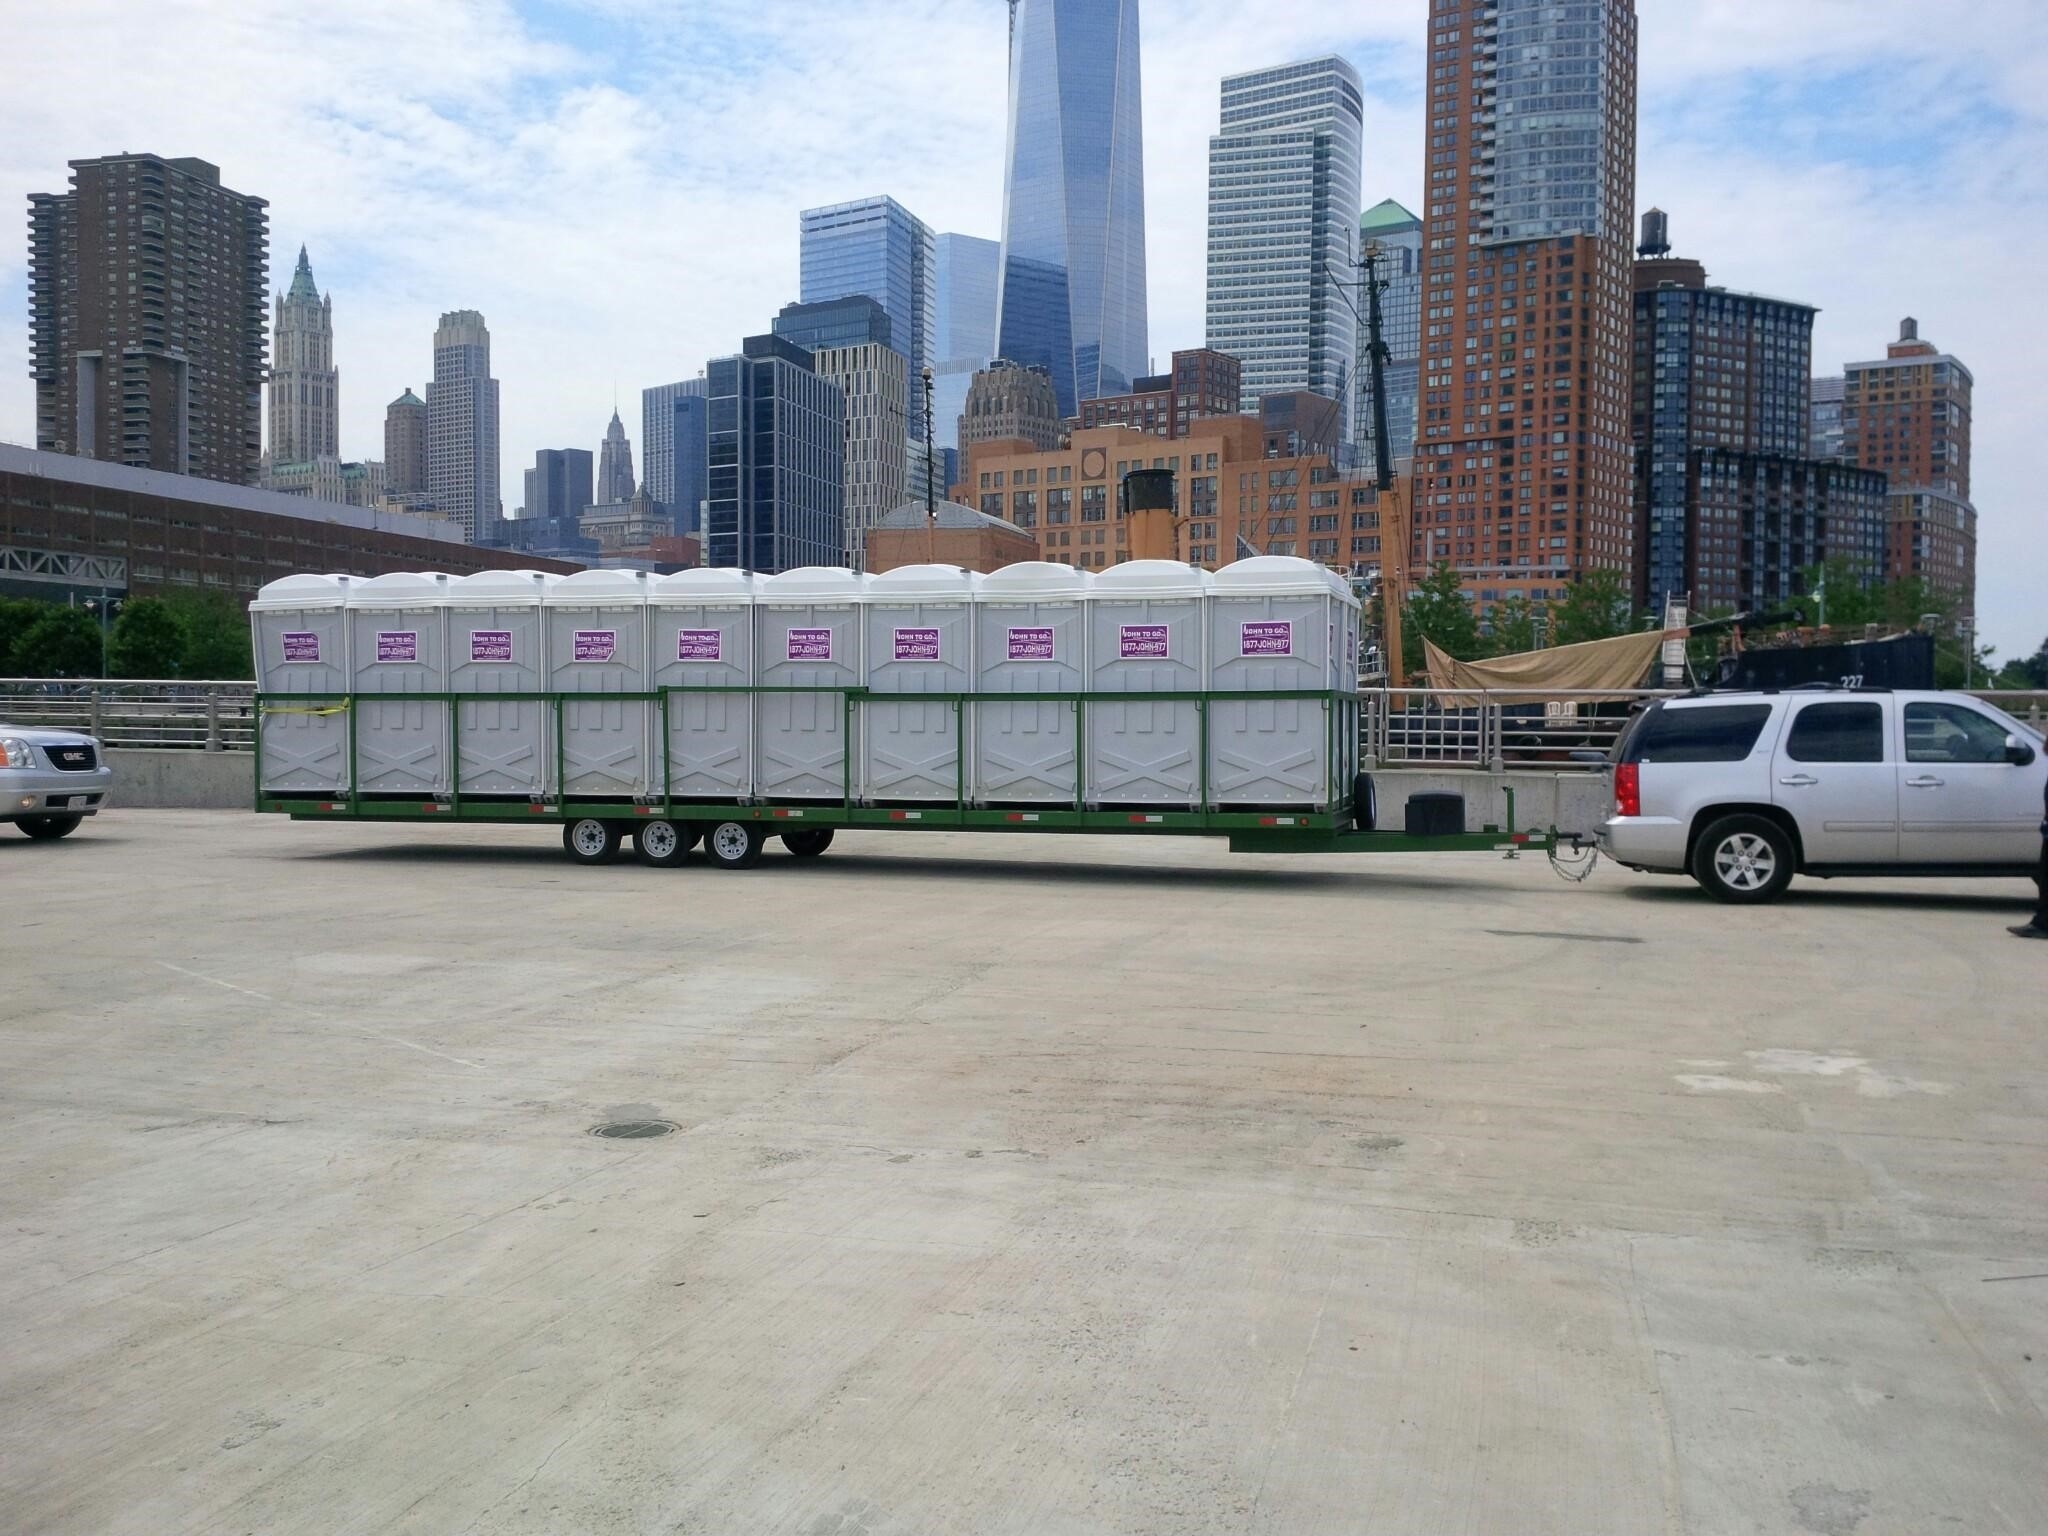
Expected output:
(14, 751)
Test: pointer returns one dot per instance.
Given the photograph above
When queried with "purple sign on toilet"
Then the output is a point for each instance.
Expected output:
(1266, 637)
(490, 645)
(300, 645)
(594, 644)
(398, 645)
(700, 645)
(808, 645)
(1142, 642)
(917, 645)
(1030, 644)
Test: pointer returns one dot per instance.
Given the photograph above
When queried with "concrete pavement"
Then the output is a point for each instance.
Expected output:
(1021, 1185)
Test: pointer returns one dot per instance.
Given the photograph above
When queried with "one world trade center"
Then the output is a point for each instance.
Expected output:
(1071, 296)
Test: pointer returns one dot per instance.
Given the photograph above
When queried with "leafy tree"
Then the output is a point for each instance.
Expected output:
(56, 642)
(16, 615)
(1598, 607)
(216, 631)
(147, 640)
(1511, 627)
(2025, 671)
(1437, 608)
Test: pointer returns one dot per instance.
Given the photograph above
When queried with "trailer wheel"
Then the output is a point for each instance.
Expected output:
(733, 844)
(661, 843)
(1365, 803)
(808, 843)
(591, 840)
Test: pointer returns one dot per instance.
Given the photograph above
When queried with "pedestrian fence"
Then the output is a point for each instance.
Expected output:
(139, 712)
(1398, 727)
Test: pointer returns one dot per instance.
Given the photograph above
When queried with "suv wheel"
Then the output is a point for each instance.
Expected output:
(47, 828)
(1744, 859)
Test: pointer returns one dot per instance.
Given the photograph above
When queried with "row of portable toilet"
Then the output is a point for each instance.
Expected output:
(762, 665)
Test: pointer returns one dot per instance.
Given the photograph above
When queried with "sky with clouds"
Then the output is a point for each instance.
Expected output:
(615, 183)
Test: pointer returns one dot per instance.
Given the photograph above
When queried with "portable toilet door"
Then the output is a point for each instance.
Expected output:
(300, 626)
(596, 624)
(1030, 637)
(1273, 626)
(1145, 635)
(494, 649)
(397, 653)
(703, 638)
(920, 640)
(807, 636)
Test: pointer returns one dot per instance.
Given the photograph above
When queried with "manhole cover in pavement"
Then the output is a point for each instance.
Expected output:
(632, 1130)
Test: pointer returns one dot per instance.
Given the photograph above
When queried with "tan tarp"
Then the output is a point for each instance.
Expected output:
(1556, 673)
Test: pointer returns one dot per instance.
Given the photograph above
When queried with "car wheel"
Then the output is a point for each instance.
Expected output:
(733, 844)
(661, 843)
(1744, 859)
(49, 828)
(809, 843)
(591, 840)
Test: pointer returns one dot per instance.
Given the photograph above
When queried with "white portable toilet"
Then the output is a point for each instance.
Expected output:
(919, 622)
(596, 624)
(807, 635)
(702, 636)
(504, 745)
(397, 651)
(300, 626)
(1031, 636)
(1281, 624)
(1145, 635)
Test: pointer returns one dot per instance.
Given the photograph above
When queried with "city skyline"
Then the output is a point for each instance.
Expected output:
(1757, 118)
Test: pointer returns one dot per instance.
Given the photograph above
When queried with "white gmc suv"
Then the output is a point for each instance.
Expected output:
(1742, 790)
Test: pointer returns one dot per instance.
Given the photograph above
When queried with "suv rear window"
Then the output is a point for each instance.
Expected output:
(1710, 733)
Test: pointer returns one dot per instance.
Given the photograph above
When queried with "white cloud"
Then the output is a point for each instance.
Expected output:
(615, 185)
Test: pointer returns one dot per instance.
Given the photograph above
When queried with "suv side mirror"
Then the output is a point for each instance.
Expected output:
(2017, 752)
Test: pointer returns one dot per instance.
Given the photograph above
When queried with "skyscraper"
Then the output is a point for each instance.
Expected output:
(405, 446)
(462, 426)
(691, 430)
(848, 340)
(559, 484)
(1730, 509)
(776, 448)
(305, 389)
(1283, 221)
(658, 443)
(875, 246)
(615, 463)
(965, 339)
(1908, 415)
(1008, 400)
(148, 283)
(1398, 234)
(1071, 289)
(1530, 176)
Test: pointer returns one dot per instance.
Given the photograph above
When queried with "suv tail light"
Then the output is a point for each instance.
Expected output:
(1628, 789)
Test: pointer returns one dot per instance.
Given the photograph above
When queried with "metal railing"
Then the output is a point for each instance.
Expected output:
(139, 712)
(1432, 728)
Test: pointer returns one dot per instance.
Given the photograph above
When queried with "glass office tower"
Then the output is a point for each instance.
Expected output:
(966, 336)
(1283, 216)
(1071, 291)
(776, 452)
(878, 247)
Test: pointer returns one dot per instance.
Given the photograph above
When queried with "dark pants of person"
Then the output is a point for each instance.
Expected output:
(2041, 886)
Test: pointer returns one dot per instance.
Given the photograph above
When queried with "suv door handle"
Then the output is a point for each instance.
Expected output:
(1925, 781)
(1800, 780)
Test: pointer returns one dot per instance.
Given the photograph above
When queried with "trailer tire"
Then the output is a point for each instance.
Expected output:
(661, 842)
(733, 844)
(1365, 803)
(808, 843)
(591, 840)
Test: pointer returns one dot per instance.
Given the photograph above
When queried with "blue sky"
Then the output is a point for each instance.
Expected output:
(615, 183)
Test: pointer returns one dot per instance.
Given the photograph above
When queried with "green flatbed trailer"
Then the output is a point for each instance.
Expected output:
(734, 830)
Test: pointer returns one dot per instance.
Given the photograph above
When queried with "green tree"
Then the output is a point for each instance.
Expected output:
(147, 640)
(1511, 627)
(216, 636)
(56, 642)
(2025, 671)
(1437, 608)
(16, 615)
(1597, 607)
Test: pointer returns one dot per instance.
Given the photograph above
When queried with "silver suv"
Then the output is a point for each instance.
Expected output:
(50, 781)
(1740, 790)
